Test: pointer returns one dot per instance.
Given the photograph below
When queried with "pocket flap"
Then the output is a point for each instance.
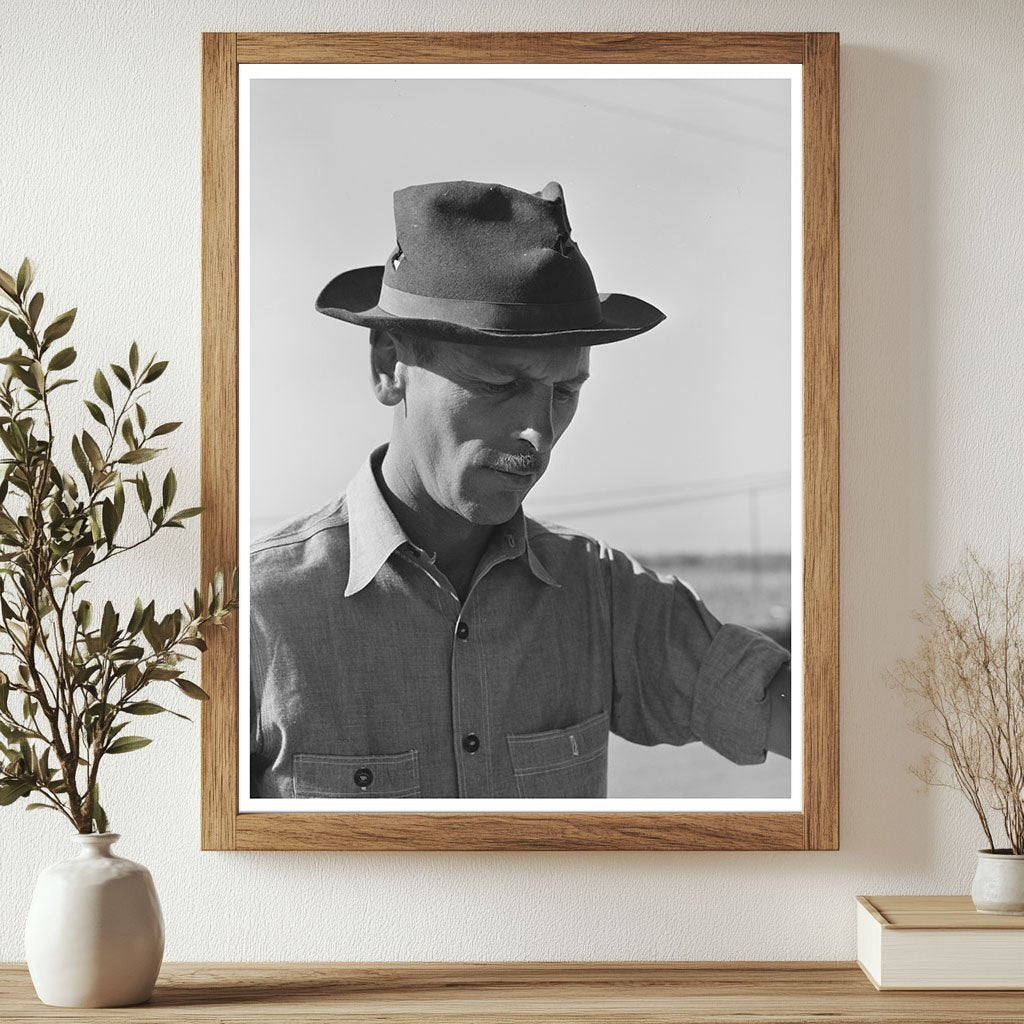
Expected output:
(559, 748)
(352, 775)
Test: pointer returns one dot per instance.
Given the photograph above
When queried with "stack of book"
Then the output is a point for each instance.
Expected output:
(938, 942)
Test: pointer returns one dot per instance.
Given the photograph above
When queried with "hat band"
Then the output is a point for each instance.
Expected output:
(540, 317)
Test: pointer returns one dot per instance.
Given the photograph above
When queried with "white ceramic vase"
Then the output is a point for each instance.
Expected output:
(999, 882)
(95, 933)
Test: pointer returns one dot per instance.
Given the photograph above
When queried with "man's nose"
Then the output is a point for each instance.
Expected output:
(538, 429)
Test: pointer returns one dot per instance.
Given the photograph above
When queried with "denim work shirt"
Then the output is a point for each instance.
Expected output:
(370, 678)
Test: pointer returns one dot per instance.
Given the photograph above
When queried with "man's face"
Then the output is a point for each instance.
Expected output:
(478, 423)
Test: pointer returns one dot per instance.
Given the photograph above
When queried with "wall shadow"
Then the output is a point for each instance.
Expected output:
(887, 397)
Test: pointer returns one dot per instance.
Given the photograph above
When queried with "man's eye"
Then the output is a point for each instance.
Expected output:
(566, 394)
(500, 389)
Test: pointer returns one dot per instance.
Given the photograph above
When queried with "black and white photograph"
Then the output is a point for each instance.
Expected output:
(520, 449)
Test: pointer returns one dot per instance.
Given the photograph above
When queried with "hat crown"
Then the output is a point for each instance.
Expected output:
(485, 242)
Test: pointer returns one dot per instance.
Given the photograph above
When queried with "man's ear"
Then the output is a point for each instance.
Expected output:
(387, 373)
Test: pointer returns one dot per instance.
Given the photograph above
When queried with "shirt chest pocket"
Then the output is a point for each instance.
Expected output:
(343, 775)
(562, 763)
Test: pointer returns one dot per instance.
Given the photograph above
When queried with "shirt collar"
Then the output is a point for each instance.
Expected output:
(518, 540)
(374, 533)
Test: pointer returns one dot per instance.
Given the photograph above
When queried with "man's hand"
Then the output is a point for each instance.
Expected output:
(778, 741)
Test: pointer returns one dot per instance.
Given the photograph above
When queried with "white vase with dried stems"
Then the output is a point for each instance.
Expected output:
(967, 683)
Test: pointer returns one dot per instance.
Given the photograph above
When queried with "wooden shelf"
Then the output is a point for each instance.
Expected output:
(523, 992)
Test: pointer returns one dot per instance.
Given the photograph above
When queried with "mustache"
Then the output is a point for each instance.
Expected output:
(518, 462)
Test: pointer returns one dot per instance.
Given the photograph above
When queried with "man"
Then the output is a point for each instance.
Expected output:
(420, 636)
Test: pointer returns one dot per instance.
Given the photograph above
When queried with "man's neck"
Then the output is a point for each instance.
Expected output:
(455, 543)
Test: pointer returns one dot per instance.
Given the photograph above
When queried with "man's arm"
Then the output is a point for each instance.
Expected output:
(682, 675)
(779, 738)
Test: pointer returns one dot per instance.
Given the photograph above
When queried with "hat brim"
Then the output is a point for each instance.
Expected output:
(353, 296)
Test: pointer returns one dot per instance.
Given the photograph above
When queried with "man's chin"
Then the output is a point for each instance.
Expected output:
(493, 511)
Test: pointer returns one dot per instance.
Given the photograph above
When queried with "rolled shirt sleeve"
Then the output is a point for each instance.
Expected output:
(679, 674)
(731, 709)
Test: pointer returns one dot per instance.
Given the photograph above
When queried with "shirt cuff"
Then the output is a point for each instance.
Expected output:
(730, 706)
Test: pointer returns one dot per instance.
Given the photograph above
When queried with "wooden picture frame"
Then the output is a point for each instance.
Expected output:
(816, 826)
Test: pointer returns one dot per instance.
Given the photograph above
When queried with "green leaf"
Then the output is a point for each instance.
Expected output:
(133, 358)
(145, 498)
(12, 733)
(146, 707)
(140, 415)
(80, 459)
(95, 527)
(11, 791)
(114, 730)
(109, 624)
(170, 488)
(154, 371)
(83, 613)
(164, 673)
(99, 383)
(191, 690)
(92, 449)
(95, 412)
(8, 284)
(109, 521)
(63, 359)
(34, 308)
(165, 428)
(124, 744)
(20, 328)
(42, 807)
(128, 433)
(60, 326)
(135, 622)
(130, 653)
(139, 455)
(132, 679)
(10, 442)
(99, 817)
(185, 513)
(26, 274)
(121, 374)
(119, 499)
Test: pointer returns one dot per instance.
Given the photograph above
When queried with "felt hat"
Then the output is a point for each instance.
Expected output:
(484, 264)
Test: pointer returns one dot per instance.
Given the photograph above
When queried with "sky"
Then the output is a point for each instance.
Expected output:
(678, 192)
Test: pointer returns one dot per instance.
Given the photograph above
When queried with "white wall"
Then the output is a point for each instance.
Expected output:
(99, 181)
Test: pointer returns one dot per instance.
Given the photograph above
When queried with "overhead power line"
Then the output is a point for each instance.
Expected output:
(637, 499)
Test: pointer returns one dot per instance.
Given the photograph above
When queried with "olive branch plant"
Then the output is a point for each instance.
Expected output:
(966, 681)
(80, 675)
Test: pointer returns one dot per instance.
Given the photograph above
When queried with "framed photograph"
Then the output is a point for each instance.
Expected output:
(520, 419)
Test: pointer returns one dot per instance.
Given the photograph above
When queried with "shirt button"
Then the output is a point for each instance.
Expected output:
(471, 743)
(363, 777)
(511, 540)
(463, 631)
